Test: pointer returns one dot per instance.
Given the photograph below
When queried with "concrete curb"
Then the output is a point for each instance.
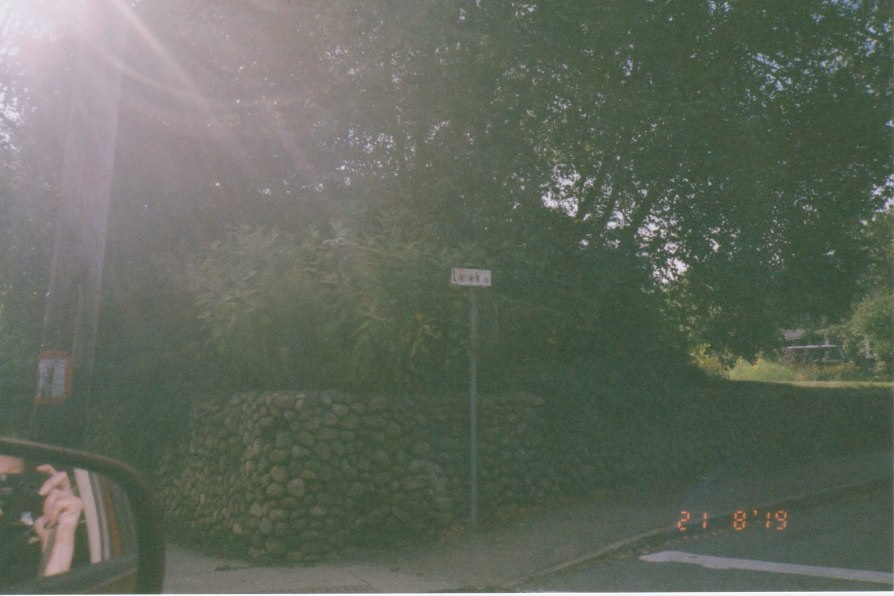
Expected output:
(663, 533)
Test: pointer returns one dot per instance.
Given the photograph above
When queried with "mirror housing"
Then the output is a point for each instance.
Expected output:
(126, 538)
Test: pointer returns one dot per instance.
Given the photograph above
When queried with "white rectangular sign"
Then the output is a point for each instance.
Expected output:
(54, 378)
(470, 277)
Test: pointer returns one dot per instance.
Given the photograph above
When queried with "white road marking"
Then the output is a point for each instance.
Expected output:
(674, 556)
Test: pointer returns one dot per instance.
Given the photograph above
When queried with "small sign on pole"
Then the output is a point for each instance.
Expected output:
(54, 378)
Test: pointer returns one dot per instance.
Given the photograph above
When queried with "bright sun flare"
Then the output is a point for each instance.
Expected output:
(40, 17)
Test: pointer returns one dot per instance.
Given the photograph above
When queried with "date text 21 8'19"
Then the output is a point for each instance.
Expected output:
(741, 520)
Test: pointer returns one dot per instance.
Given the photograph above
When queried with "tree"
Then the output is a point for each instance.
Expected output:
(870, 324)
(600, 159)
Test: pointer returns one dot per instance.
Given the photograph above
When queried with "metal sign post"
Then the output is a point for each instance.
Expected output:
(473, 279)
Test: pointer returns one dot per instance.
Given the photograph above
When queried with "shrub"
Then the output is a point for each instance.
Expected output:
(769, 371)
(708, 362)
(762, 370)
(872, 320)
(842, 371)
(321, 308)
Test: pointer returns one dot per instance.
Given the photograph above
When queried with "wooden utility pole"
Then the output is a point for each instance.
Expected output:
(72, 302)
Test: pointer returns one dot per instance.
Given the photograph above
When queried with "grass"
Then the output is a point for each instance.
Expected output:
(841, 374)
(844, 384)
(762, 370)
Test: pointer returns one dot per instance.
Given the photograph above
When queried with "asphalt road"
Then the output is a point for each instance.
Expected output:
(845, 544)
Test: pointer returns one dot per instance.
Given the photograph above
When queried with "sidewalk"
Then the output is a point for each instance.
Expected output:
(503, 555)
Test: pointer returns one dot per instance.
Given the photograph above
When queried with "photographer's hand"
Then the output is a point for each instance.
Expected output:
(56, 526)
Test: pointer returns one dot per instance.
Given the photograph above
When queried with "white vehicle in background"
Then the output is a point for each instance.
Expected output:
(814, 354)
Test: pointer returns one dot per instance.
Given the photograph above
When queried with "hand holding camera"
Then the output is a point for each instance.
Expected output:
(42, 503)
(58, 521)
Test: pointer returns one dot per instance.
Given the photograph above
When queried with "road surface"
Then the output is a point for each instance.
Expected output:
(845, 544)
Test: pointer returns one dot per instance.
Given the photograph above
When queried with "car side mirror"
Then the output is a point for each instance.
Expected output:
(71, 522)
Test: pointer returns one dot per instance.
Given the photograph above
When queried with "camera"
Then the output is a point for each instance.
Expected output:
(19, 501)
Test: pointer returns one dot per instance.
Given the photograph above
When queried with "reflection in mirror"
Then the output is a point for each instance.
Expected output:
(55, 519)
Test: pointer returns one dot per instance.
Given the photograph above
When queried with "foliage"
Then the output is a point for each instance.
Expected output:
(707, 362)
(322, 309)
(773, 371)
(872, 318)
(374, 309)
(633, 172)
(866, 331)
(736, 163)
(763, 213)
(762, 370)
(873, 321)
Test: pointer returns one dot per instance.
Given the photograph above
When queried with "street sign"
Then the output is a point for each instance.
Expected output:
(470, 277)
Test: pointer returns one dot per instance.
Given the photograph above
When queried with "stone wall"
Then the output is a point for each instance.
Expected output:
(310, 475)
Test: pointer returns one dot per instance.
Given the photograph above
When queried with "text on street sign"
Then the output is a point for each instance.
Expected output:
(470, 277)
